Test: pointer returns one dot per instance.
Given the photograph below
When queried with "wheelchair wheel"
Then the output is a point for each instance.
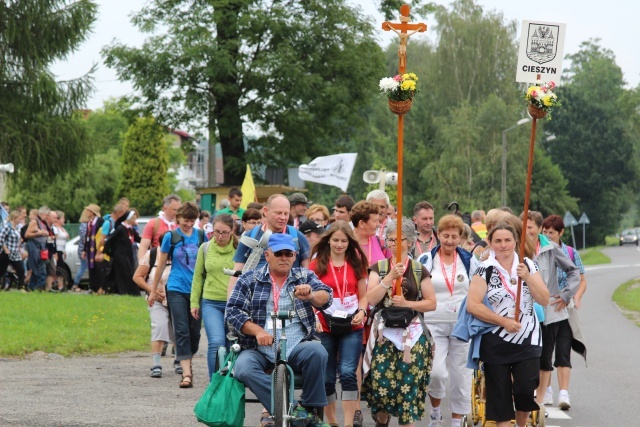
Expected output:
(281, 397)
(538, 418)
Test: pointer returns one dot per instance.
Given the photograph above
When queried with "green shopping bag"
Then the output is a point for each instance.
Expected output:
(222, 404)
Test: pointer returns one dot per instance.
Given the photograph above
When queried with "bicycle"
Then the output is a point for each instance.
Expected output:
(283, 380)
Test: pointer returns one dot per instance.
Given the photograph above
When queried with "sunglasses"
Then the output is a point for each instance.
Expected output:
(281, 254)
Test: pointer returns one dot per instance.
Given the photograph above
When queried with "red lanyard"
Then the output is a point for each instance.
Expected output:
(276, 293)
(419, 246)
(264, 228)
(341, 292)
(451, 284)
(370, 247)
(505, 286)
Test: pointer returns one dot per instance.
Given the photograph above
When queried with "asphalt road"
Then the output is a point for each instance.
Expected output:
(117, 390)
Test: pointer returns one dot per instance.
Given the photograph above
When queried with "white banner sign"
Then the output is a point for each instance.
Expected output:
(541, 52)
(330, 170)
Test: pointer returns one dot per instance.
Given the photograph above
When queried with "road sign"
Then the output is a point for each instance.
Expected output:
(584, 219)
(541, 52)
(569, 220)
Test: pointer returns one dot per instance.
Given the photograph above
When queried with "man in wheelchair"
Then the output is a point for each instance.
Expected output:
(278, 287)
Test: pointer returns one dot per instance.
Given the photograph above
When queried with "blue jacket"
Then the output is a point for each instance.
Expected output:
(471, 328)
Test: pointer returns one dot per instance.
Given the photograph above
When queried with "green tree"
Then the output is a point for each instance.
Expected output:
(38, 131)
(94, 181)
(297, 71)
(144, 166)
(594, 146)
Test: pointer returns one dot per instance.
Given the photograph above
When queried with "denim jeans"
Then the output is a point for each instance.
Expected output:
(185, 328)
(343, 356)
(37, 266)
(212, 313)
(84, 265)
(308, 358)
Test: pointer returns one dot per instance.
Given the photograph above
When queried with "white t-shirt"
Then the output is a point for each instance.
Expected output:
(165, 274)
(448, 304)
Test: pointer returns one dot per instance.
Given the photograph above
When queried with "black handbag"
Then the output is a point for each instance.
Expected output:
(338, 325)
(397, 317)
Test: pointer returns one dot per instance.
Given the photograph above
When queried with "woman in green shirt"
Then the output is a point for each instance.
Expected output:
(209, 286)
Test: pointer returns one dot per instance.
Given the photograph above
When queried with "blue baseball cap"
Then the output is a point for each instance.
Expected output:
(281, 242)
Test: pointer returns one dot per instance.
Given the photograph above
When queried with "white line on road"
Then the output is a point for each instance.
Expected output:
(557, 413)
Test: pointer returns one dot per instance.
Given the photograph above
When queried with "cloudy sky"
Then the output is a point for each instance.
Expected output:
(614, 22)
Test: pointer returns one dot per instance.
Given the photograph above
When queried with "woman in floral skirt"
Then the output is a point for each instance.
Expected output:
(397, 361)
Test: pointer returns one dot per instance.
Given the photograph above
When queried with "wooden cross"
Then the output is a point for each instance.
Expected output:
(404, 29)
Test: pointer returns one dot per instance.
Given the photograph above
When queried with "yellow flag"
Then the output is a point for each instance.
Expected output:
(248, 189)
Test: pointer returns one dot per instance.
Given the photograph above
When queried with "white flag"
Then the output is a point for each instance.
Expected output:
(331, 170)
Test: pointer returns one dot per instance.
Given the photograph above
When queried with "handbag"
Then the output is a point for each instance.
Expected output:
(338, 325)
(44, 254)
(222, 403)
(398, 317)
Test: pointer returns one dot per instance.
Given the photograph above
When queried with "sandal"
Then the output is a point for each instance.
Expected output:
(266, 420)
(187, 381)
(378, 423)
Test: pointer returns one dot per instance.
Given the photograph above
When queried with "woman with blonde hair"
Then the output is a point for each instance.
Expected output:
(451, 268)
(318, 214)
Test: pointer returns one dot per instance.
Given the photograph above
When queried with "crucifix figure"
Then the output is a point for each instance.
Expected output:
(404, 30)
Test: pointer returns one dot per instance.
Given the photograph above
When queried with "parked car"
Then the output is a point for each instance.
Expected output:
(68, 268)
(629, 237)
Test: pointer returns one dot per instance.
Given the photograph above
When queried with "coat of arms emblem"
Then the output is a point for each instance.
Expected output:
(542, 42)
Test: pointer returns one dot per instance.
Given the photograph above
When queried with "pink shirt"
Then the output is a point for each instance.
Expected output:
(162, 228)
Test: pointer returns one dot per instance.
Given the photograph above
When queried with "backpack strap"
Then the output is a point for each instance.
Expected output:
(153, 254)
(175, 239)
(572, 253)
(156, 227)
(293, 232)
(205, 249)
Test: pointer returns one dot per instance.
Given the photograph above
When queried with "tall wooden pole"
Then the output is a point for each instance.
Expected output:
(402, 30)
(525, 211)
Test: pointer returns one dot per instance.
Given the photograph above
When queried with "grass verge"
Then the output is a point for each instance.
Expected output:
(627, 297)
(71, 324)
(594, 256)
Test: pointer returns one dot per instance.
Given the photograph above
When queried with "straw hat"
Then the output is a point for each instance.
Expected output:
(93, 208)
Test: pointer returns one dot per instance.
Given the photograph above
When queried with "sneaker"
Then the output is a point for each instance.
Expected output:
(156, 372)
(299, 417)
(358, 419)
(563, 401)
(435, 422)
(177, 367)
(548, 397)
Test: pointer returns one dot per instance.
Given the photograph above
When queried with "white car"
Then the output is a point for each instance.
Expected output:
(67, 270)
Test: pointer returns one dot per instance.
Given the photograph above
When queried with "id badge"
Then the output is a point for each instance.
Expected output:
(512, 312)
(350, 302)
(340, 313)
(452, 308)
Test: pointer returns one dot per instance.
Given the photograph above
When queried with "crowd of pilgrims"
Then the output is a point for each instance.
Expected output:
(459, 277)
